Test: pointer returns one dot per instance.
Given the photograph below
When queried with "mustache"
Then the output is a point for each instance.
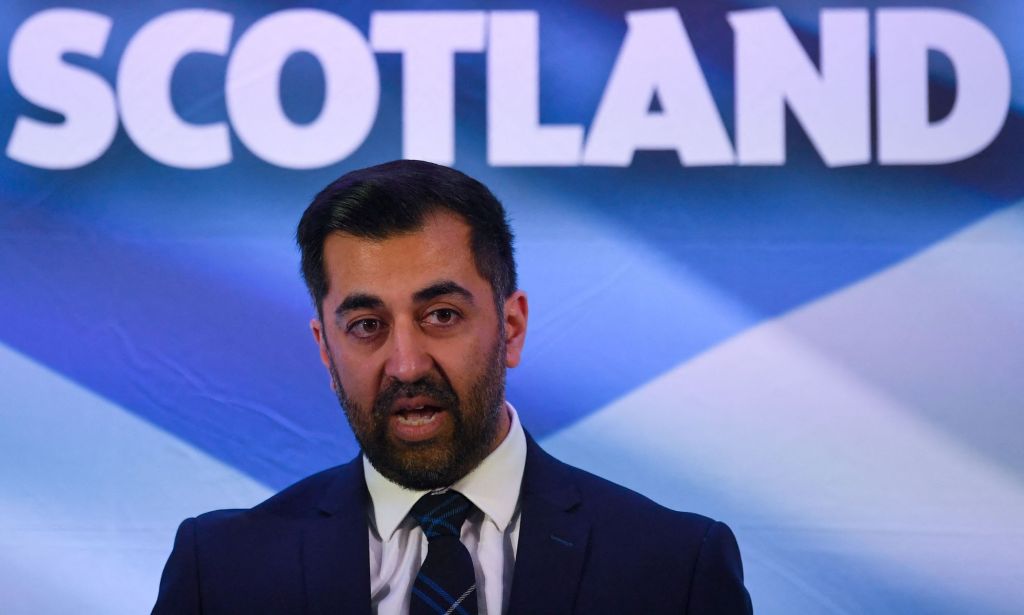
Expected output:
(440, 391)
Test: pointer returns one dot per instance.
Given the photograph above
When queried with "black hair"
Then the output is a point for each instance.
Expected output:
(381, 201)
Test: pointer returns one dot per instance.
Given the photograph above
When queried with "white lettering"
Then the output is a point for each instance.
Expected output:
(657, 59)
(253, 85)
(905, 136)
(85, 100)
(656, 62)
(144, 88)
(515, 136)
(772, 71)
(428, 41)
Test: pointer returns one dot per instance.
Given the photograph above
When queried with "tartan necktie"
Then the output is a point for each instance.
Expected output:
(446, 583)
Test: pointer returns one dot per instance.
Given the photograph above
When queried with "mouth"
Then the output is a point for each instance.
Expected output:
(418, 415)
(417, 419)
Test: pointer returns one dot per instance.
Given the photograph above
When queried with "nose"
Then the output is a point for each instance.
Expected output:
(408, 359)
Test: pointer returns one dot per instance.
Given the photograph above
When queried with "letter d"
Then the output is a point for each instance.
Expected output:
(982, 86)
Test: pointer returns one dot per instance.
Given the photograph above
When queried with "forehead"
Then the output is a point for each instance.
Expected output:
(402, 263)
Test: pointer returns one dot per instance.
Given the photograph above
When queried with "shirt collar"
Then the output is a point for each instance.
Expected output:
(493, 486)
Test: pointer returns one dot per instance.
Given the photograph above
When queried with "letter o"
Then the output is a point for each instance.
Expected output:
(253, 85)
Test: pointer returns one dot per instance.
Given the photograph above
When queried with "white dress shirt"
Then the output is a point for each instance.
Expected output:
(491, 534)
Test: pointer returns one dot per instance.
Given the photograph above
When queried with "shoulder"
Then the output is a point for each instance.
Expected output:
(308, 493)
(247, 537)
(241, 560)
(298, 501)
(608, 503)
(624, 523)
(688, 561)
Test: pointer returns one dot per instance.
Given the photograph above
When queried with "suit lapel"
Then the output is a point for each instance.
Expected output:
(335, 548)
(552, 539)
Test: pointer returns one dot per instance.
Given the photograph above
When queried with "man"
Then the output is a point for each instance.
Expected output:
(452, 507)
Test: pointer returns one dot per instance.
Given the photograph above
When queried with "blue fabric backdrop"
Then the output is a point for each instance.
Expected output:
(828, 357)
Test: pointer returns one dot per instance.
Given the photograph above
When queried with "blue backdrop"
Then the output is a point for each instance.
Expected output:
(794, 304)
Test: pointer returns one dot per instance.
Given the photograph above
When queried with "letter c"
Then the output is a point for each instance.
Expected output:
(144, 88)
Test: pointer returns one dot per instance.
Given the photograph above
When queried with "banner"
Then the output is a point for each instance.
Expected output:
(773, 256)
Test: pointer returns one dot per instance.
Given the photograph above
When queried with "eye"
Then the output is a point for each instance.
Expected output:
(365, 327)
(444, 317)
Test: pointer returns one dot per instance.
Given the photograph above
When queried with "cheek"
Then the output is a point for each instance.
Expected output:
(352, 375)
(464, 364)
(357, 383)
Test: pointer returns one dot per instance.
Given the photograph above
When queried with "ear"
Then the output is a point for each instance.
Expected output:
(320, 337)
(517, 311)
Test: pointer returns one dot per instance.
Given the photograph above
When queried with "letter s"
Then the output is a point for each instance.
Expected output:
(40, 75)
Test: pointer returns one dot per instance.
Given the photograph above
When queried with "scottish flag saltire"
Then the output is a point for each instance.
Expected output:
(827, 356)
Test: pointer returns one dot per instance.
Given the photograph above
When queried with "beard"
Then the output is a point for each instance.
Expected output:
(443, 460)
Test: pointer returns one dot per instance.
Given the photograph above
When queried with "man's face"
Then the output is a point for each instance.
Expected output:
(417, 350)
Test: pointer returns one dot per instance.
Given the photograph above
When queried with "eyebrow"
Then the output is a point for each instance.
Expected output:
(366, 301)
(439, 289)
(359, 301)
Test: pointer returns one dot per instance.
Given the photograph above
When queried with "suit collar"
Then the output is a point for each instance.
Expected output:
(547, 478)
(335, 548)
(553, 538)
(346, 494)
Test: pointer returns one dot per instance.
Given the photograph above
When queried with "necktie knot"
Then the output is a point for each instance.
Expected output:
(441, 514)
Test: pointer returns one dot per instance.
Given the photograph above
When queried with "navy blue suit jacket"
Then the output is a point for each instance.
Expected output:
(585, 546)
